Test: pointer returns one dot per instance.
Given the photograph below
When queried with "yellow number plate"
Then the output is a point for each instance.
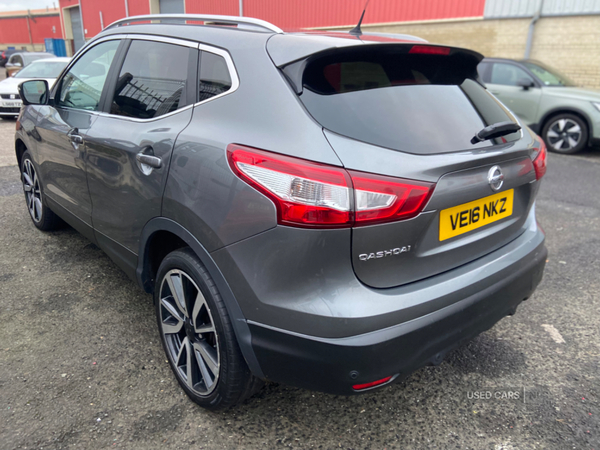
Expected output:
(469, 216)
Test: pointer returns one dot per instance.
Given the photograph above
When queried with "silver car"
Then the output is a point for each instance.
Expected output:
(47, 69)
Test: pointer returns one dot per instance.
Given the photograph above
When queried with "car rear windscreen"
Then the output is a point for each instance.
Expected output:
(415, 103)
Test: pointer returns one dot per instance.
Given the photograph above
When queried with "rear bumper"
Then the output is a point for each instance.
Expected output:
(334, 365)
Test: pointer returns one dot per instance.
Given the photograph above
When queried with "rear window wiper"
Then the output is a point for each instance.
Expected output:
(496, 130)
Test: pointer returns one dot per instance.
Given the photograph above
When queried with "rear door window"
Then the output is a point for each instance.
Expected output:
(416, 103)
(152, 81)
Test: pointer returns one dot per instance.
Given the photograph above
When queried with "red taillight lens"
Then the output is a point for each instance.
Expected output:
(380, 199)
(308, 194)
(360, 387)
(430, 50)
(305, 193)
(541, 160)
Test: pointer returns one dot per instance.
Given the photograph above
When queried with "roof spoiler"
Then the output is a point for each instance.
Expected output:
(462, 60)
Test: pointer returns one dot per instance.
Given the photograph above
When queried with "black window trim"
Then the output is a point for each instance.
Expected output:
(191, 96)
(119, 58)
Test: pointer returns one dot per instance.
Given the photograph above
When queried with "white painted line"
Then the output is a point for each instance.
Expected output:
(554, 334)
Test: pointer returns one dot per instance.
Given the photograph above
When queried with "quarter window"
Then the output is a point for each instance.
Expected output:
(152, 81)
(508, 74)
(82, 86)
(214, 76)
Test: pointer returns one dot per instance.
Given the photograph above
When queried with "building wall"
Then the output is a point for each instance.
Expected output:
(571, 44)
(111, 11)
(223, 7)
(138, 7)
(14, 31)
(317, 13)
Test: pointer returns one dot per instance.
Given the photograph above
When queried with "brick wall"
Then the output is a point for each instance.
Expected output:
(571, 44)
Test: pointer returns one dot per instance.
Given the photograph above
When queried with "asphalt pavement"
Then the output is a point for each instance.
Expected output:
(81, 365)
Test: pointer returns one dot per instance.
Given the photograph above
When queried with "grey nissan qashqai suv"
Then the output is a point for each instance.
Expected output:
(326, 210)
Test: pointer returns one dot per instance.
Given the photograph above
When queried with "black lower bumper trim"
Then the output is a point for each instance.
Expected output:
(14, 111)
(335, 365)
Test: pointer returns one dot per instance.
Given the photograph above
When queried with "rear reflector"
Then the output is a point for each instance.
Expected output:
(541, 160)
(360, 387)
(430, 50)
(313, 195)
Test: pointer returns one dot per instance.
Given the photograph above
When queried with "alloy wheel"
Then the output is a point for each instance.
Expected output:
(564, 134)
(189, 332)
(33, 195)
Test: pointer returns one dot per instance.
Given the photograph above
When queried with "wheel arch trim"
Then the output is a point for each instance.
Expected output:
(240, 325)
(20, 149)
(568, 110)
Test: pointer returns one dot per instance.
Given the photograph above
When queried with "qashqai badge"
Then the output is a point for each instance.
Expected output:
(495, 178)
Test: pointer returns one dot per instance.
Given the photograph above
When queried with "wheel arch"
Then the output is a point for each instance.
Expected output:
(568, 110)
(20, 148)
(160, 229)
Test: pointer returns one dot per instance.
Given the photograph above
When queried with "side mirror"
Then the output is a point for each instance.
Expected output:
(34, 92)
(525, 83)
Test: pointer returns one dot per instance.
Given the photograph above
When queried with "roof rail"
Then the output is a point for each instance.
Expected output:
(207, 18)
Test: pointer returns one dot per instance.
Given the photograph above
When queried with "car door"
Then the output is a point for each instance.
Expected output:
(130, 145)
(62, 127)
(503, 81)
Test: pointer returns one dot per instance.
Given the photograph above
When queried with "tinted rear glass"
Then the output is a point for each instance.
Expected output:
(416, 103)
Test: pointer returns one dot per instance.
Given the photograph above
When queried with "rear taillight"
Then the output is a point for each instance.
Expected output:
(380, 199)
(309, 194)
(541, 160)
(305, 193)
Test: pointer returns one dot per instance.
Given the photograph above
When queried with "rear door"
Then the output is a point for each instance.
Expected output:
(130, 145)
(502, 81)
(411, 114)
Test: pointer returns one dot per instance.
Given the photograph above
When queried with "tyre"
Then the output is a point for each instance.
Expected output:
(42, 216)
(197, 334)
(565, 133)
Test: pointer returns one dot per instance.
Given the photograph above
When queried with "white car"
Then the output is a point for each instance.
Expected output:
(48, 69)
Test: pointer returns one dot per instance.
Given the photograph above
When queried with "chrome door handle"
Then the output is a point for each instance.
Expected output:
(76, 139)
(152, 161)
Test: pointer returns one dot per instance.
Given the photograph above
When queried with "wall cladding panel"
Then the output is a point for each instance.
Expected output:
(504, 9)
